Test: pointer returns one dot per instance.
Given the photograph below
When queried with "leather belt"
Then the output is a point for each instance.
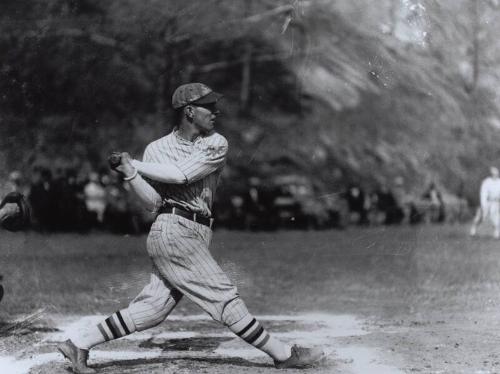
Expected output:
(169, 209)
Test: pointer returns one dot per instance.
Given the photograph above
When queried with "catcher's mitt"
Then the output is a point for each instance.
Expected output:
(21, 218)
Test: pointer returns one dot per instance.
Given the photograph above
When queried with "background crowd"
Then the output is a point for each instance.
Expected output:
(65, 199)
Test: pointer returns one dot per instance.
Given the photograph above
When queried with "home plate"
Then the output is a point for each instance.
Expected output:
(197, 336)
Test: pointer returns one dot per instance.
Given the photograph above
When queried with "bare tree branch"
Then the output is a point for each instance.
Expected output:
(221, 65)
(270, 13)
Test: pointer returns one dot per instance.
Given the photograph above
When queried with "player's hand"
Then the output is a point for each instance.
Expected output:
(125, 168)
(125, 157)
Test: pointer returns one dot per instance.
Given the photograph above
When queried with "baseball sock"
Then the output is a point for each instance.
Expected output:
(115, 326)
(250, 330)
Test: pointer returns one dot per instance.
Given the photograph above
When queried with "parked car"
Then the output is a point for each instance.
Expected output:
(300, 204)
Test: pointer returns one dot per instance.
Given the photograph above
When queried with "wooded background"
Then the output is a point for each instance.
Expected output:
(340, 91)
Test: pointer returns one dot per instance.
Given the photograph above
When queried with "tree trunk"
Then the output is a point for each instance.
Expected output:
(393, 8)
(246, 69)
(476, 46)
(246, 79)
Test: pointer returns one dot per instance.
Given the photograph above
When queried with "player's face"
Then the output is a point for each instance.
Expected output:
(204, 117)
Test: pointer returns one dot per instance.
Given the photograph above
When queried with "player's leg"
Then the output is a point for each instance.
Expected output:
(153, 304)
(250, 330)
(197, 275)
(495, 218)
(478, 218)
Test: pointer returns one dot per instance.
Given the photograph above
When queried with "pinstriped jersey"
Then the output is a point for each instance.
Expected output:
(200, 161)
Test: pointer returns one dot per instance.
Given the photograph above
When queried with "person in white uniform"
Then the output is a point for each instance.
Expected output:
(489, 210)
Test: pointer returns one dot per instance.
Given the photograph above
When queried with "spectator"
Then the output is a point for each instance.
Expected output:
(117, 216)
(387, 206)
(72, 210)
(436, 209)
(357, 204)
(43, 199)
(15, 183)
(95, 198)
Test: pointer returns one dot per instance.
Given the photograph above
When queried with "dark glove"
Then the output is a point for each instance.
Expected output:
(20, 219)
(114, 160)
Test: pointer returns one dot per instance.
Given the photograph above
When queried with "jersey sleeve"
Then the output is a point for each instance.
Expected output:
(205, 160)
(146, 157)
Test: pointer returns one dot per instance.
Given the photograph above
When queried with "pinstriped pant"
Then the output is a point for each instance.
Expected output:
(183, 265)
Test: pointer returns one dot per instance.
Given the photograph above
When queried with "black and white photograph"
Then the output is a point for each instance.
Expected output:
(250, 186)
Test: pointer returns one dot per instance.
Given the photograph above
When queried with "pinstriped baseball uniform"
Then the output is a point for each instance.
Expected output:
(178, 247)
(200, 161)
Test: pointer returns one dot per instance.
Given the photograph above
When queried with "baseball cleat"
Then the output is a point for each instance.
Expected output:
(77, 356)
(301, 358)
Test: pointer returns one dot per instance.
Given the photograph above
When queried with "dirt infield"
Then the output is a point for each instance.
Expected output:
(391, 300)
(195, 343)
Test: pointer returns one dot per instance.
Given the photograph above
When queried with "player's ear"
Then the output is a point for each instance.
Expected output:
(189, 112)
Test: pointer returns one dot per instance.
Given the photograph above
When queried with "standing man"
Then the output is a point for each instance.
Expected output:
(490, 203)
(181, 172)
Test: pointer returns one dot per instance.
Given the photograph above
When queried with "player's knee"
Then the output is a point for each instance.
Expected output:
(149, 313)
(233, 311)
(154, 317)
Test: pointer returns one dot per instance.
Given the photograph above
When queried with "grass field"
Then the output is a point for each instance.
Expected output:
(409, 284)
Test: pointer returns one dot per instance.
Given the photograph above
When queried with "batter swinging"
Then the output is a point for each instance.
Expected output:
(181, 172)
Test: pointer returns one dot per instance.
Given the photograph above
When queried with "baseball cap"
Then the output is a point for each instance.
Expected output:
(194, 93)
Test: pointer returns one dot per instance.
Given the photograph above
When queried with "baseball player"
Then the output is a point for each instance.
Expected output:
(490, 203)
(177, 179)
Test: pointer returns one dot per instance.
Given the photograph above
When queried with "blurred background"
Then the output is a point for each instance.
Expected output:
(337, 112)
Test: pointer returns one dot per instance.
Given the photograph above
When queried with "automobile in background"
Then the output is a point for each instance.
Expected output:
(288, 201)
(298, 203)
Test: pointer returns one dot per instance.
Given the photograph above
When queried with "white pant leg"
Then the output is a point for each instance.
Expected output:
(154, 303)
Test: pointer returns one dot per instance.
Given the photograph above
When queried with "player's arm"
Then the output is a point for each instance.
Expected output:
(204, 161)
(194, 167)
(146, 193)
(164, 172)
(142, 189)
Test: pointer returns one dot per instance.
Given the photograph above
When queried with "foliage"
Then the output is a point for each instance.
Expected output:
(330, 95)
